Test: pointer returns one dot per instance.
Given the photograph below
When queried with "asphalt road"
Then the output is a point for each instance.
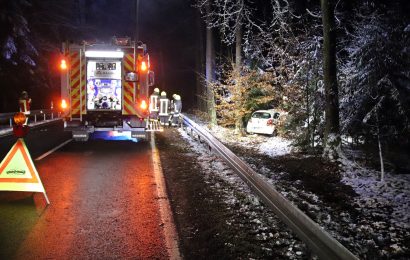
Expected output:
(103, 203)
(39, 139)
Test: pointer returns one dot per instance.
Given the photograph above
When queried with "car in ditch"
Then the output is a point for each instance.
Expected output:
(263, 122)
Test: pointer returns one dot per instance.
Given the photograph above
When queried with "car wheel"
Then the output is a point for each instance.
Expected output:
(274, 133)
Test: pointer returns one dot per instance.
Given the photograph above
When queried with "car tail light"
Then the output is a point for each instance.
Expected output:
(270, 122)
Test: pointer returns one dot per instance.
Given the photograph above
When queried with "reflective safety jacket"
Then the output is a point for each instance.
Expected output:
(163, 106)
(154, 103)
(177, 106)
(24, 104)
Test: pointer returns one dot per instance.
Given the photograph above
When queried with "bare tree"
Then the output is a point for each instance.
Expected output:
(210, 68)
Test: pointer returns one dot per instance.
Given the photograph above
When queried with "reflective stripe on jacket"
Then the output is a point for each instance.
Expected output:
(24, 104)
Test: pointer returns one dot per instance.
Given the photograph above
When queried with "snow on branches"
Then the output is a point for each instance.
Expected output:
(374, 76)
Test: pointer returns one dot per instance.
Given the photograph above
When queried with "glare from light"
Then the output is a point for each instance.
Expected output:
(63, 64)
(114, 136)
(117, 133)
(104, 54)
(143, 66)
(144, 105)
(63, 104)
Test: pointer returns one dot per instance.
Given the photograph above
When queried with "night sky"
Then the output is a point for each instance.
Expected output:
(168, 29)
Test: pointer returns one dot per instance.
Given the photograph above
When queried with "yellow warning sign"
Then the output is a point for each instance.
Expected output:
(17, 171)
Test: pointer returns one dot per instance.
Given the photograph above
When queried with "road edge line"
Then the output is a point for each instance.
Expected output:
(170, 234)
(52, 150)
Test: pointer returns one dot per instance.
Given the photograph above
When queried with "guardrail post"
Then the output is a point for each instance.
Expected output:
(11, 122)
(44, 116)
(52, 115)
(35, 118)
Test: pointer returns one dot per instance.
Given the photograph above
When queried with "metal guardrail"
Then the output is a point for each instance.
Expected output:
(6, 119)
(317, 239)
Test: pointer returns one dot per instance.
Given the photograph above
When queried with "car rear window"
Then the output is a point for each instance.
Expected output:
(262, 115)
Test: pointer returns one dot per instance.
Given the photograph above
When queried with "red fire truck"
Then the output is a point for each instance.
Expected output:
(104, 87)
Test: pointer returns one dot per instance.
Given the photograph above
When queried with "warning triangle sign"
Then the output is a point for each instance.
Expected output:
(17, 171)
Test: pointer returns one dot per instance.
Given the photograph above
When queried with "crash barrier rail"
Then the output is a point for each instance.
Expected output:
(317, 239)
(6, 119)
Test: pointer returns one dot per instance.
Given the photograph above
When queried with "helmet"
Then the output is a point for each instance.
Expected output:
(163, 94)
(176, 97)
(156, 90)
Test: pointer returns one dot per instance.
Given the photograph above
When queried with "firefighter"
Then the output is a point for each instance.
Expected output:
(154, 104)
(171, 112)
(163, 108)
(24, 104)
(176, 109)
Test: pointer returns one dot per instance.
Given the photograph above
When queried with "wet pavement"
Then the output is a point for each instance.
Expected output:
(103, 206)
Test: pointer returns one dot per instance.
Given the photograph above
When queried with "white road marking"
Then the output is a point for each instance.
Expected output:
(52, 150)
(170, 234)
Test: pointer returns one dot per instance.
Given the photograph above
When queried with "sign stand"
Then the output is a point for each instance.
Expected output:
(18, 173)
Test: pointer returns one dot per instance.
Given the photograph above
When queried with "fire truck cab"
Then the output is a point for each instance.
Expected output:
(105, 87)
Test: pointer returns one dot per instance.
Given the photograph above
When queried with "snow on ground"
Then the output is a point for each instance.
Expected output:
(272, 236)
(393, 192)
(273, 146)
(384, 206)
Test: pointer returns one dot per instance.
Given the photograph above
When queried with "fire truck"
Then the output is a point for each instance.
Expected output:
(105, 86)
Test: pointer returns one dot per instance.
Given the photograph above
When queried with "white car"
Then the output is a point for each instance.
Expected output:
(263, 122)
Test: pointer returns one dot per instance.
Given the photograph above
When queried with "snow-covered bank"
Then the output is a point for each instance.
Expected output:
(273, 146)
(393, 192)
(374, 223)
(269, 237)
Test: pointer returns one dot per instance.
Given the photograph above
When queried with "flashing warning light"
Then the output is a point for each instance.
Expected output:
(144, 105)
(63, 64)
(20, 130)
(63, 104)
(19, 118)
(143, 66)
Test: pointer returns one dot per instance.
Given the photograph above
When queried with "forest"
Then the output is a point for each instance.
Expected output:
(246, 55)
(271, 54)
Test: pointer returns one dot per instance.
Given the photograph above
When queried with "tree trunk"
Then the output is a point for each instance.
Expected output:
(210, 69)
(332, 135)
(199, 65)
(380, 147)
(238, 47)
(239, 129)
